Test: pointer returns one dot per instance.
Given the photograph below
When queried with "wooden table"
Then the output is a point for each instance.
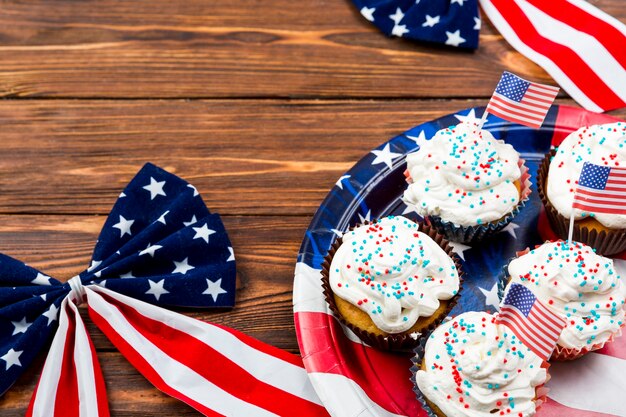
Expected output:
(261, 104)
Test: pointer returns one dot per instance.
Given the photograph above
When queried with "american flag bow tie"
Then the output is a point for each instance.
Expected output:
(449, 22)
(160, 246)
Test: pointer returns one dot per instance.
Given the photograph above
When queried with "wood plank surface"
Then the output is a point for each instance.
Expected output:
(245, 156)
(243, 48)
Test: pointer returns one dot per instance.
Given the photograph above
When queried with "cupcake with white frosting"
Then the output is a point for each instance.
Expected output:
(581, 286)
(471, 366)
(390, 281)
(603, 145)
(466, 183)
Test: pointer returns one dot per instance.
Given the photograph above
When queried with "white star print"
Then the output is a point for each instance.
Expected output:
(477, 23)
(129, 274)
(368, 13)
(367, 218)
(214, 289)
(94, 264)
(457, 1)
(192, 221)
(430, 21)
(156, 289)
(124, 226)
(491, 296)
(459, 249)
(384, 156)
(510, 228)
(41, 279)
(43, 296)
(454, 38)
(20, 326)
(12, 357)
(122, 195)
(52, 313)
(399, 30)
(409, 208)
(419, 139)
(195, 190)
(150, 249)
(182, 266)
(162, 218)
(232, 254)
(203, 232)
(103, 283)
(339, 182)
(397, 16)
(469, 118)
(155, 187)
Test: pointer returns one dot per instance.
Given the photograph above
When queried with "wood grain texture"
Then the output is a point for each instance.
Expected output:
(243, 48)
(245, 156)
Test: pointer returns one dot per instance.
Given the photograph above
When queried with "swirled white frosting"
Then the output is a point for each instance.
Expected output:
(463, 175)
(577, 283)
(393, 272)
(603, 145)
(474, 366)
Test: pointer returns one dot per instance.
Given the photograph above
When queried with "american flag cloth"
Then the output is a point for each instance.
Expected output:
(601, 189)
(454, 23)
(579, 45)
(521, 101)
(532, 322)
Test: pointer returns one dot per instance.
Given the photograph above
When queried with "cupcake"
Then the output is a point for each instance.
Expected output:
(582, 286)
(472, 366)
(603, 145)
(391, 280)
(466, 183)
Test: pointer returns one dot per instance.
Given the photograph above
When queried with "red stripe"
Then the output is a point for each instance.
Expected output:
(533, 113)
(215, 367)
(536, 101)
(565, 58)
(544, 328)
(521, 324)
(581, 206)
(547, 90)
(496, 112)
(103, 403)
(142, 365)
(550, 317)
(66, 398)
(384, 378)
(597, 195)
(610, 37)
(544, 97)
(528, 341)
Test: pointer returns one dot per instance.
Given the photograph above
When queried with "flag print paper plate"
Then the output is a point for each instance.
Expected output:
(354, 380)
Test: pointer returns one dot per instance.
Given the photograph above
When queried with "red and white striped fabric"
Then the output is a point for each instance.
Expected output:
(216, 370)
(354, 380)
(580, 46)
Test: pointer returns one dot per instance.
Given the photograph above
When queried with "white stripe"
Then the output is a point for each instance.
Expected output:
(528, 99)
(515, 116)
(608, 185)
(598, 205)
(583, 198)
(594, 382)
(594, 11)
(176, 375)
(545, 315)
(307, 290)
(593, 190)
(546, 63)
(588, 48)
(262, 366)
(344, 397)
(86, 380)
(550, 90)
(45, 395)
(543, 108)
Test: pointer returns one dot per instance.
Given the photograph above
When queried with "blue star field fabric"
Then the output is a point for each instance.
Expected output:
(449, 22)
(160, 244)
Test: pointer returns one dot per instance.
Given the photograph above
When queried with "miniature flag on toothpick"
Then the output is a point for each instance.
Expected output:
(521, 101)
(532, 322)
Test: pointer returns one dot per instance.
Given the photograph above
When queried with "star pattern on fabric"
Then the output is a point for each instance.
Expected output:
(459, 248)
(192, 221)
(430, 21)
(156, 288)
(20, 326)
(52, 314)
(203, 233)
(150, 250)
(477, 23)
(195, 190)
(231, 254)
(41, 279)
(512, 87)
(368, 13)
(129, 274)
(510, 229)
(385, 156)
(155, 188)
(12, 358)
(214, 289)
(124, 226)
(162, 218)
(182, 267)
(491, 296)
(454, 38)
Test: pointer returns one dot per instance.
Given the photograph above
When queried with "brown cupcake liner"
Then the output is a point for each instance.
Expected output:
(541, 391)
(563, 354)
(606, 242)
(477, 233)
(393, 342)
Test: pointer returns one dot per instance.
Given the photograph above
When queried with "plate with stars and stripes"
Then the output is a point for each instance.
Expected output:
(353, 379)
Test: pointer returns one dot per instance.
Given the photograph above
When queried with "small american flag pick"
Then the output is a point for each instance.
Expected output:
(601, 189)
(521, 101)
(532, 322)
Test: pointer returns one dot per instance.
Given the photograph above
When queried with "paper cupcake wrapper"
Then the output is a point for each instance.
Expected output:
(605, 243)
(400, 341)
(541, 391)
(477, 233)
(560, 354)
